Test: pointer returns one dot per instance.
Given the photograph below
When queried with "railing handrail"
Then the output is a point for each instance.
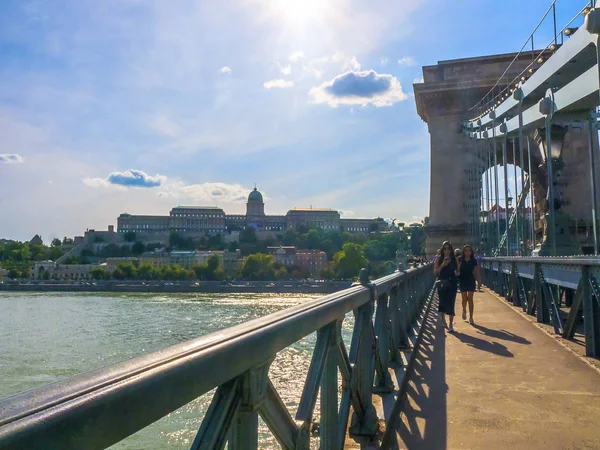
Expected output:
(483, 101)
(167, 379)
(579, 260)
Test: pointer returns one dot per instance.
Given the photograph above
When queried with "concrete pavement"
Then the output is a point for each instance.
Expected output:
(501, 384)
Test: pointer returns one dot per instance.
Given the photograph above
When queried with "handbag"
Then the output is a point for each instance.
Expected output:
(444, 285)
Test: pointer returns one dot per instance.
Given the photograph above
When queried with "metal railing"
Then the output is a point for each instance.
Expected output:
(514, 215)
(102, 407)
(562, 292)
(505, 85)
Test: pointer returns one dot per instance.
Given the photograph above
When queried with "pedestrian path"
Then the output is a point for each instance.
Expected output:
(500, 384)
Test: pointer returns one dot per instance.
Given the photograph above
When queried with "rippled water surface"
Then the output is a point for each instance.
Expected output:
(49, 337)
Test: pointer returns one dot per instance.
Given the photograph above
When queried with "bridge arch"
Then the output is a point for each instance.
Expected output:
(449, 89)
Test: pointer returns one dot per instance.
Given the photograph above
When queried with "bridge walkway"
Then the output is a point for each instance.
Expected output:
(503, 383)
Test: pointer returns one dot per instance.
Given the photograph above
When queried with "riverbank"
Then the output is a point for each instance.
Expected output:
(256, 287)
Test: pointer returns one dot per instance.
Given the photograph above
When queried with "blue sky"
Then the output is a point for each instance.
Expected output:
(133, 105)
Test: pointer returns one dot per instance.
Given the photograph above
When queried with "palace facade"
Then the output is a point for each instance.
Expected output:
(212, 220)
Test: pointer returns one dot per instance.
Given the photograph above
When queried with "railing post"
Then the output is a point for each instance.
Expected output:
(244, 430)
(383, 380)
(364, 422)
(329, 391)
(397, 325)
(513, 284)
(591, 314)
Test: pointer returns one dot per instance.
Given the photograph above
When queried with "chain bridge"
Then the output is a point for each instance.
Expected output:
(526, 374)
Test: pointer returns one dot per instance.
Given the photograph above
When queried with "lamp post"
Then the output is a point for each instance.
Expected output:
(507, 214)
(558, 241)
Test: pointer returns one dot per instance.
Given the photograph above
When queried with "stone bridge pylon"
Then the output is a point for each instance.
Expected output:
(457, 188)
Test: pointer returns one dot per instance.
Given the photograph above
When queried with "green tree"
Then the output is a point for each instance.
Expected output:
(87, 253)
(201, 271)
(219, 274)
(374, 250)
(129, 270)
(259, 266)
(248, 236)
(98, 273)
(54, 253)
(350, 260)
(110, 251)
(146, 272)
(67, 241)
(129, 236)
(56, 242)
(281, 273)
(213, 263)
(38, 252)
(138, 248)
(175, 239)
(118, 274)
(328, 272)
(71, 260)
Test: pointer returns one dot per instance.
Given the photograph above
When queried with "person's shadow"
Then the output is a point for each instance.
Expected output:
(502, 334)
(420, 418)
(480, 344)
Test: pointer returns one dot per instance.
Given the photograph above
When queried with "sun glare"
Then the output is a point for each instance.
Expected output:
(301, 11)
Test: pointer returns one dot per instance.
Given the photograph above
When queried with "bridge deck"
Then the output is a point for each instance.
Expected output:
(502, 383)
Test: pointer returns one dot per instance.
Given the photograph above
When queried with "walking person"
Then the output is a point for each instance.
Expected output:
(446, 268)
(468, 277)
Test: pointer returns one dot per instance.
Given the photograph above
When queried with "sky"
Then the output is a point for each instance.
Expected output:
(112, 106)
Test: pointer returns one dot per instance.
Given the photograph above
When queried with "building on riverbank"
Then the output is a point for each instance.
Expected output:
(201, 221)
(50, 270)
(311, 261)
(285, 255)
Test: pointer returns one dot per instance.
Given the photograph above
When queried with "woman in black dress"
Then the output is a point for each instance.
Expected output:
(446, 268)
(469, 275)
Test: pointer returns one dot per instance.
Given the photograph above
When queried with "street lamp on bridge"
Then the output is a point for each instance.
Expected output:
(558, 240)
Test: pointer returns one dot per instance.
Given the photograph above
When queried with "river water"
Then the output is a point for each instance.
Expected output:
(48, 337)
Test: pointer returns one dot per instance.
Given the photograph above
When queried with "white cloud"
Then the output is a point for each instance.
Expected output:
(384, 60)
(407, 61)
(418, 80)
(129, 178)
(359, 88)
(286, 70)
(165, 126)
(206, 193)
(296, 56)
(278, 83)
(225, 69)
(10, 158)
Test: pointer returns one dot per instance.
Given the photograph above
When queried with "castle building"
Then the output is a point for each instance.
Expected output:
(197, 221)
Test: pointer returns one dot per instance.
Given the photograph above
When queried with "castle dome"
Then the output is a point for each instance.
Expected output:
(255, 196)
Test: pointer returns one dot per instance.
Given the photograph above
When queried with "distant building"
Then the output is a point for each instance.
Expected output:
(142, 224)
(311, 261)
(203, 256)
(112, 263)
(363, 225)
(198, 221)
(50, 270)
(183, 258)
(326, 219)
(101, 237)
(156, 259)
(37, 239)
(231, 261)
(283, 255)
(207, 220)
